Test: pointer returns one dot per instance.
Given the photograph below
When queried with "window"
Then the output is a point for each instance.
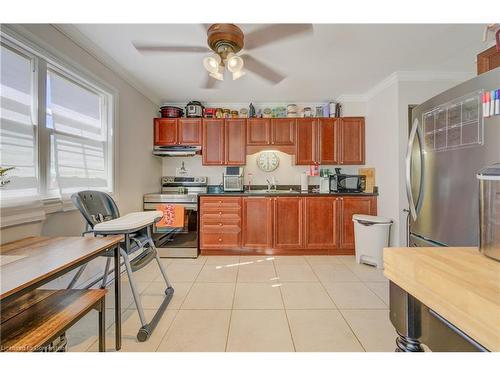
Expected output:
(18, 130)
(78, 136)
(58, 134)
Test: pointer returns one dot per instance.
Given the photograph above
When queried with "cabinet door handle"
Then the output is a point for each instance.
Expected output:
(220, 239)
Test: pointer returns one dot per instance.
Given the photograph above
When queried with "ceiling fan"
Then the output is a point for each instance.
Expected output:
(225, 41)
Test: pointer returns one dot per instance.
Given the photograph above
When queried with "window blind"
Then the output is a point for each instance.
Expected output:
(76, 117)
(18, 141)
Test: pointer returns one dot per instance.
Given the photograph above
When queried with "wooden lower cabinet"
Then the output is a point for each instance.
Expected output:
(281, 225)
(288, 223)
(257, 223)
(321, 223)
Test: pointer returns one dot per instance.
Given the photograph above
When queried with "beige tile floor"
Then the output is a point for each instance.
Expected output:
(247, 303)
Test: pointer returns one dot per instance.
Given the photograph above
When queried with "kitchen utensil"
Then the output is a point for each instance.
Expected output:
(209, 112)
(194, 109)
(243, 112)
(169, 111)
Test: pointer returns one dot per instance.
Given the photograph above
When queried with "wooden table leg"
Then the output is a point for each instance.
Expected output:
(405, 315)
(102, 325)
(118, 313)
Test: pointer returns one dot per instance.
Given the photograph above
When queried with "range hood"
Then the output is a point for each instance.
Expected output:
(176, 150)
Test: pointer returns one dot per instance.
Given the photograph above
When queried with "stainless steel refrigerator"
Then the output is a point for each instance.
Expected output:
(449, 142)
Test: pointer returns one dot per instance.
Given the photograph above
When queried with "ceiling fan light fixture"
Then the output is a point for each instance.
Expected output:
(238, 74)
(217, 75)
(234, 63)
(212, 63)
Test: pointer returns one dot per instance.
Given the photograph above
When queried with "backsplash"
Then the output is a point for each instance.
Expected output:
(286, 174)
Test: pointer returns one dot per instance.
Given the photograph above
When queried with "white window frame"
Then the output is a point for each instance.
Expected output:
(43, 59)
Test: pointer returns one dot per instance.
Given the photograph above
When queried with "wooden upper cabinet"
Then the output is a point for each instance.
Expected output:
(235, 142)
(283, 131)
(350, 206)
(352, 134)
(258, 131)
(288, 222)
(189, 130)
(257, 222)
(213, 142)
(165, 131)
(306, 144)
(321, 222)
(329, 142)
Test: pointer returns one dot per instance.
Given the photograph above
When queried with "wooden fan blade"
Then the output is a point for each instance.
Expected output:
(210, 83)
(169, 49)
(274, 33)
(253, 65)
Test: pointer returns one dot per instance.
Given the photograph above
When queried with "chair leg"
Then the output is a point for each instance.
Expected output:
(162, 269)
(133, 286)
(106, 271)
(77, 276)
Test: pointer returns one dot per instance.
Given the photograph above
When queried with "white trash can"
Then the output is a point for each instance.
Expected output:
(371, 235)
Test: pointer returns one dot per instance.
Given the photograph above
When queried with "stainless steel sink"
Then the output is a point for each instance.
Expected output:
(271, 192)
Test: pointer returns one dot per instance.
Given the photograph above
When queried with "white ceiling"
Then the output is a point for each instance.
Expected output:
(337, 59)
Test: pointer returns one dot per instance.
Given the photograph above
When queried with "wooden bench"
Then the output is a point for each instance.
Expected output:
(37, 318)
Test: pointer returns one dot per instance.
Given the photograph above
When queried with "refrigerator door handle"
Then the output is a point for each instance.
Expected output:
(415, 132)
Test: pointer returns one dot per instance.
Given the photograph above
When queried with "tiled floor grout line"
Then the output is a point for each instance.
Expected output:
(308, 262)
(284, 308)
(232, 305)
(179, 309)
(340, 311)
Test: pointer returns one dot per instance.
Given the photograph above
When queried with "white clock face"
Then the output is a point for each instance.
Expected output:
(268, 161)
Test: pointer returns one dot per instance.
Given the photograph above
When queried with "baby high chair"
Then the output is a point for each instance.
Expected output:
(103, 218)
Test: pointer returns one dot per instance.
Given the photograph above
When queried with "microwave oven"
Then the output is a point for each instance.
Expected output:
(347, 183)
(233, 179)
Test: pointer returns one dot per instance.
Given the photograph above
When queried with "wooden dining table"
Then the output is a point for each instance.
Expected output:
(32, 262)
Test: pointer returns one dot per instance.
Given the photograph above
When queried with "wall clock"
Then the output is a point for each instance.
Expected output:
(268, 161)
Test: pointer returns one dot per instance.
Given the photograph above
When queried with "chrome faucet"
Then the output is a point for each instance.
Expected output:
(271, 186)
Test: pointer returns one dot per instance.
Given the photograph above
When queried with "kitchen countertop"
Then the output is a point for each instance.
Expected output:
(459, 283)
(284, 194)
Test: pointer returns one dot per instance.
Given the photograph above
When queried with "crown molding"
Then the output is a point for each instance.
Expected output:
(406, 76)
(77, 37)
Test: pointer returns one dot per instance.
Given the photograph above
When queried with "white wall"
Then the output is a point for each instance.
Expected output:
(137, 171)
(386, 141)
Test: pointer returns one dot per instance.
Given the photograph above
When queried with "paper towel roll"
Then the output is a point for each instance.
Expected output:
(304, 182)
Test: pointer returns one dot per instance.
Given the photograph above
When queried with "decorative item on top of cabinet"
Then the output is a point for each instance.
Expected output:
(177, 131)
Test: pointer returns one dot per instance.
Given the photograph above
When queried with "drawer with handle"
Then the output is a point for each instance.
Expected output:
(220, 240)
(220, 228)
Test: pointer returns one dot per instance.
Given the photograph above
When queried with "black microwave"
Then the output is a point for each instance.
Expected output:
(347, 183)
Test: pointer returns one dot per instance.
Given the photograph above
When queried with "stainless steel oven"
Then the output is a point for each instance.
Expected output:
(179, 242)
